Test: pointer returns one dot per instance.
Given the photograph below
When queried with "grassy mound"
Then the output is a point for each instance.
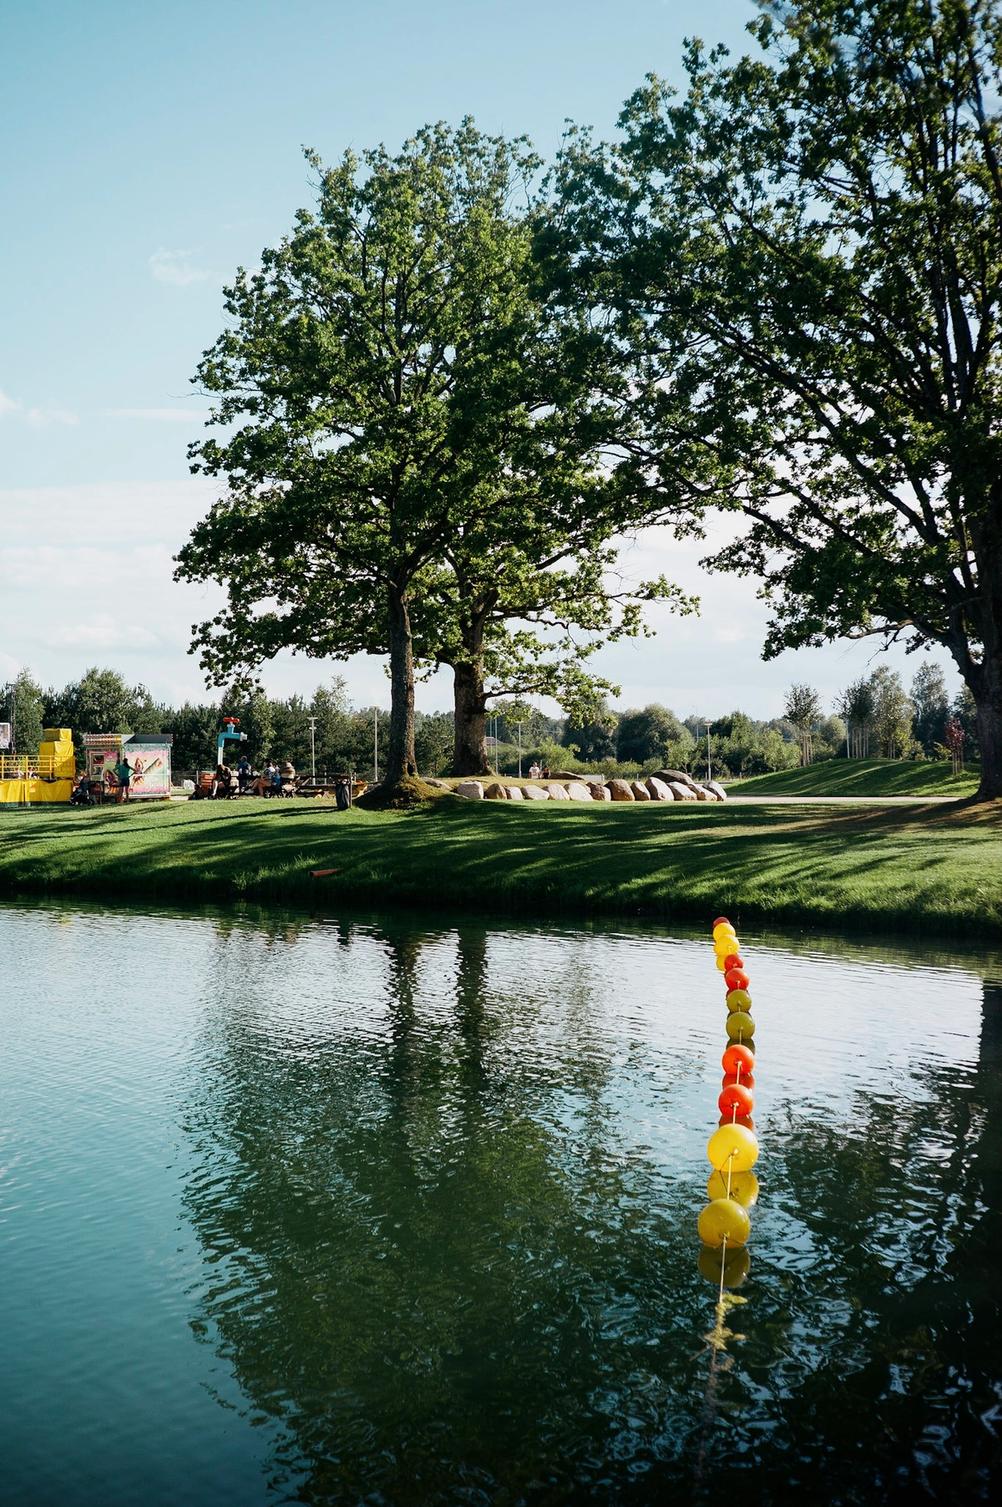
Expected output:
(409, 792)
(866, 777)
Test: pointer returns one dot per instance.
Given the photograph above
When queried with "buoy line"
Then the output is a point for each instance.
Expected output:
(732, 1151)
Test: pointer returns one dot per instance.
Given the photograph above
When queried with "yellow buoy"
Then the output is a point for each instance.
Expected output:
(724, 1219)
(738, 999)
(743, 1189)
(734, 1144)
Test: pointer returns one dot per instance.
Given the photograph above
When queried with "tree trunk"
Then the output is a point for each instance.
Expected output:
(469, 750)
(988, 701)
(400, 759)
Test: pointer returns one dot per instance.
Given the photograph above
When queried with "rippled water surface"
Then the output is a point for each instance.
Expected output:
(399, 1212)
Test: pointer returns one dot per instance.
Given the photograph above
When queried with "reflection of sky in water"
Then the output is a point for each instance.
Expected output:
(396, 1175)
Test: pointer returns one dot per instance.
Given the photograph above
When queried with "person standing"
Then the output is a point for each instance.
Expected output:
(123, 770)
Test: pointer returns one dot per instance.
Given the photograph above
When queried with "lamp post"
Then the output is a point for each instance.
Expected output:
(313, 747)
(375, 745)
(520, 750)
(709, 770)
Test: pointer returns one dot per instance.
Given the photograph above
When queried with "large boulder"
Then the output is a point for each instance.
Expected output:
(620, 790)
(658, 789)
(600, 792)
(702, 794)
(557, 792)
(495, 792)
(516, 793)
(536, 793)
(563, 774)
(681, 792)
(472, 790)
(578, 791)
(676, 777)
(718, 790)
(640, 790)
(439, 784)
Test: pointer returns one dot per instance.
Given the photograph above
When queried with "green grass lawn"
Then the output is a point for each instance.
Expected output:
(861, 777)
(935, 868)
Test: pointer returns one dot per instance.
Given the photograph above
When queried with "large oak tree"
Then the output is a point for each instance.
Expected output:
(415, 443)
(805, 250)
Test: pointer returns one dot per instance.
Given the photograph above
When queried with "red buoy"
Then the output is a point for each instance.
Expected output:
(736, 1097)
(738, 1054)
(736, 978)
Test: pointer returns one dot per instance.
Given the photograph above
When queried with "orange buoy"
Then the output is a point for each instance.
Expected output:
(738, 1056)
(736, 1097)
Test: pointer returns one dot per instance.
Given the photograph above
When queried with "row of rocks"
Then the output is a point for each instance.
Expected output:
(666, 785)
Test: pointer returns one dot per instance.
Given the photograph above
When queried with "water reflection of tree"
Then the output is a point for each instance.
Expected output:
(417, 1277)
(892, 1274)
(440, 1289)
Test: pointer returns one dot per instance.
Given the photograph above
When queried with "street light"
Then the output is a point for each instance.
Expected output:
(709, 771)
(313, 747)
(520, 750)
(375, 745)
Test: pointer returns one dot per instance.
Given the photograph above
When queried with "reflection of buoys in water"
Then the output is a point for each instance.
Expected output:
(731, 1272)
(735, 1097)
(724, 1219)
(747, 1080)
(740, 1026)
(737, 1055)
(744, 1187)
(745, 1120)
(734, 1144)
(721, 963)
(736, 978)
(738, 999)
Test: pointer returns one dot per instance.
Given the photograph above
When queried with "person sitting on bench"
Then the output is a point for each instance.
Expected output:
(81, 792)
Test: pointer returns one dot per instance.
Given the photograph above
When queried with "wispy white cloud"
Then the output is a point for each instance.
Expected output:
(160, 415)
(105, 630)
(38, 418)
(176, 268)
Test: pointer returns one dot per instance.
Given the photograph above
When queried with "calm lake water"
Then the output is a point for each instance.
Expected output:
(400, 1211)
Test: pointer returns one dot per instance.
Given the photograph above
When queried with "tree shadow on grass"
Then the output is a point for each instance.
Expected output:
(766, 861)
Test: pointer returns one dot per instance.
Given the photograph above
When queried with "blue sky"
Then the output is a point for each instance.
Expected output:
(150, 150)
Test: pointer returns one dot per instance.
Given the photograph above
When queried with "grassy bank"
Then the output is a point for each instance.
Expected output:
(935, 868)
(870, 777)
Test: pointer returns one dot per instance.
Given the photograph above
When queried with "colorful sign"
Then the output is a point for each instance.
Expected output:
(149, 767)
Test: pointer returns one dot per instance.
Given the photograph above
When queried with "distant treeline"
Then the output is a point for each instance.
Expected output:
(875, 716)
